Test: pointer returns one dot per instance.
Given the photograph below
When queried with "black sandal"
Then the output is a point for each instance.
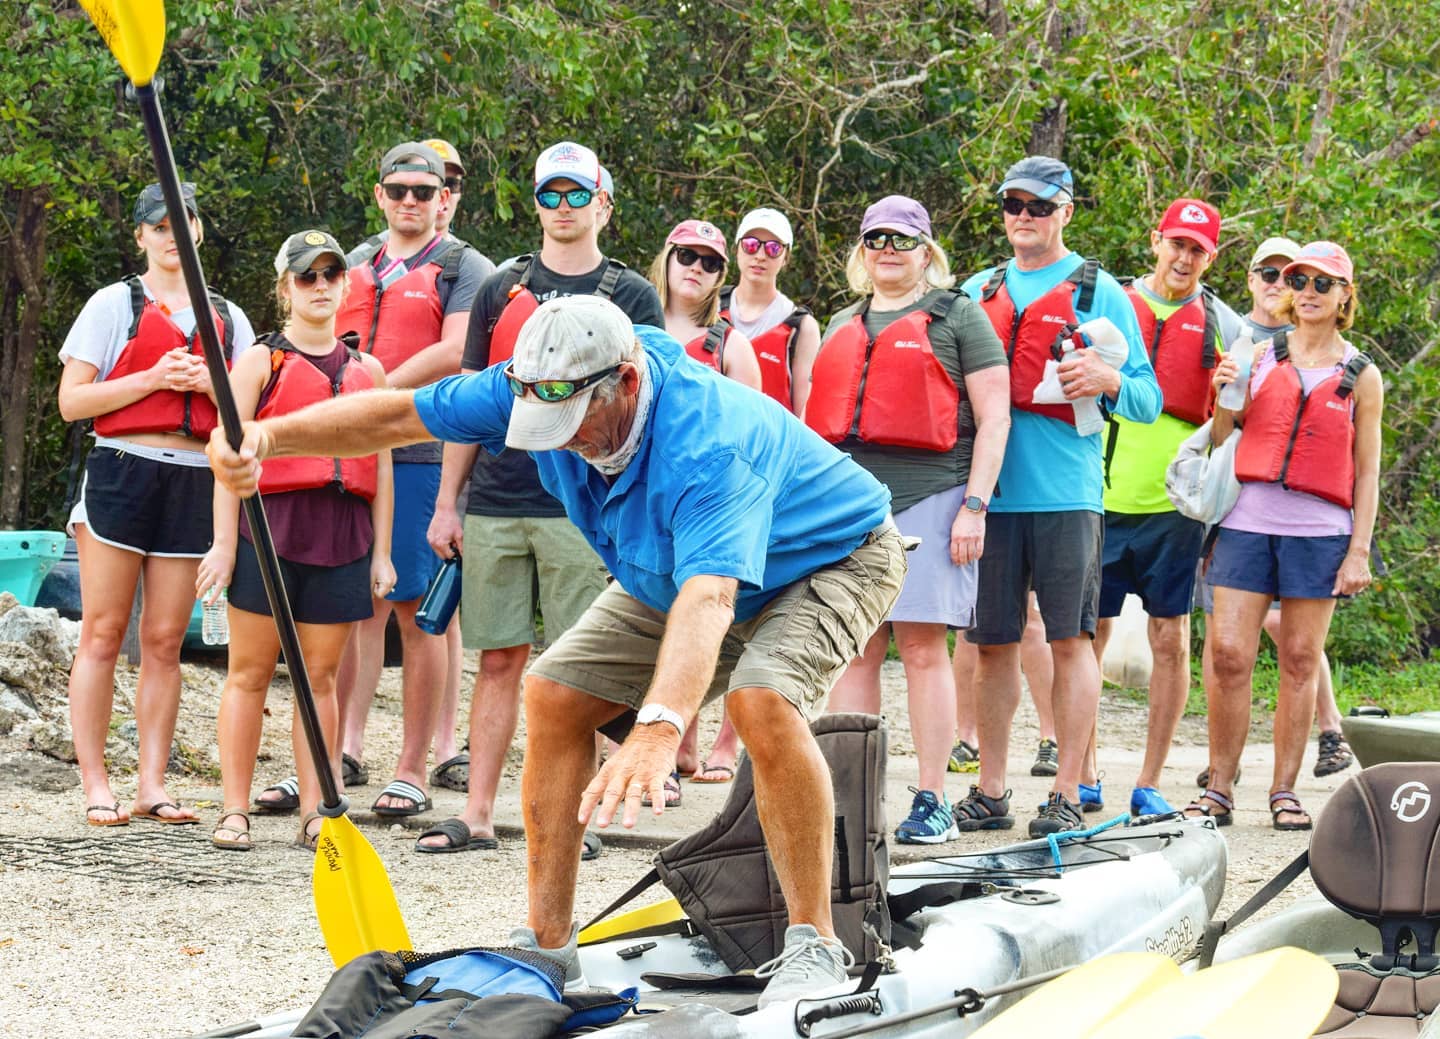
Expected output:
(1202, 810)
(1278, 807)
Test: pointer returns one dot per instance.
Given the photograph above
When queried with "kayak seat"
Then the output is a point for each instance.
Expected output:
(1375, 854)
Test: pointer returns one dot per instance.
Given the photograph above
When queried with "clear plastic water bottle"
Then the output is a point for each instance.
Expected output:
(1232, 394)
(215, 621)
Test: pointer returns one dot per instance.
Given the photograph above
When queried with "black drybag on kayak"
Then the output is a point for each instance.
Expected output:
(723, 878)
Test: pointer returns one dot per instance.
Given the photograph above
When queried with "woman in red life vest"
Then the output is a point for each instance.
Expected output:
(785, 335)
(912, 382)
(1309, 466)
(330, 518)
(687, 274)
(134, 365)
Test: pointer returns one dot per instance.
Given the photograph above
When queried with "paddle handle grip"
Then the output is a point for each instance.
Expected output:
(159, 139)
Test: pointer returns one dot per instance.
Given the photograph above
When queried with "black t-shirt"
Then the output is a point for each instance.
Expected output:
(508, 484)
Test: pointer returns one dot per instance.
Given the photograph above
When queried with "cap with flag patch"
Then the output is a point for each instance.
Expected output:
(572, 162)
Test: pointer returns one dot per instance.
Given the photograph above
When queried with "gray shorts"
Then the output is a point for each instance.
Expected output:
(514, 563)
(937, 591)
(798, 645)
(1055, 553)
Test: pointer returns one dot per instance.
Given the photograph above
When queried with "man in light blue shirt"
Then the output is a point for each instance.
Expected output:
(1047, 518)
(751, 559)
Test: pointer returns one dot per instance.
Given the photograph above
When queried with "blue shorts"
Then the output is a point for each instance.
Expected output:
(1152, 556)
(1277, 564)
(416, 485)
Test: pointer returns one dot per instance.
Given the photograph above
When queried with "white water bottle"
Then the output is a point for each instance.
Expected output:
(1232, 394)
(215, 621)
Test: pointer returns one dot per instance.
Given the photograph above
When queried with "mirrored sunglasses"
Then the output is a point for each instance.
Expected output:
(553, 391)
(709, 262)
(902, 243)
(576, 198)
(753, 245)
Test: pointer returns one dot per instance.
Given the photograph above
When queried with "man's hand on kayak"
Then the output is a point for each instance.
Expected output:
(239, 470)
(641, 766)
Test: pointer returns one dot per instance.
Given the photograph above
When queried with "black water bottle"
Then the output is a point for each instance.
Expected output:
(441, 598)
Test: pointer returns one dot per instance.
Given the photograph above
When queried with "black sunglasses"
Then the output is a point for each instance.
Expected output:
(1036, 207)
(332, 273)
(1269, 275)
(709, 262)
(753, 245)
(422, 192)
(578, 198)
(878, 240)
(553, 391)
(1323, 284)
(455, 184)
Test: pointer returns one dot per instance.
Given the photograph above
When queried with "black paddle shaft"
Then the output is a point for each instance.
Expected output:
(333, 804)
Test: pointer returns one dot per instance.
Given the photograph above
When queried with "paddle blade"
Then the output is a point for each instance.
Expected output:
(134, 30)
(665, 912)
(354, 901)
(1280, 994)
(1078, 1001)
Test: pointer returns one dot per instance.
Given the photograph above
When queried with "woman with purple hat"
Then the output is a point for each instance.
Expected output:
(134, 364)
(1309, 470)
(913, 383)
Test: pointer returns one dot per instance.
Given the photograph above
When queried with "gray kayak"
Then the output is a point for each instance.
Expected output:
(1377, 738)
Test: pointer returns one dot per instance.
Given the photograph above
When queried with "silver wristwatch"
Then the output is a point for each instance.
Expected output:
(654, 712)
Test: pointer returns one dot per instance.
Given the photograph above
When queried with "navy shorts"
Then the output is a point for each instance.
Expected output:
(146, 505)
(416, 484)
(1055, 553)
(1278, 565)
(317, 594)
(1152, 556)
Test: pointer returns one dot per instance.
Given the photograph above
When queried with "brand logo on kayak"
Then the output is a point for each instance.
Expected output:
(1176, 942)
(1410, 802)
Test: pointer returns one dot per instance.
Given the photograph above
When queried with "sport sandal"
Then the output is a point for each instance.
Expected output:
(1200, 809)
(978, 811)
(1284, 802)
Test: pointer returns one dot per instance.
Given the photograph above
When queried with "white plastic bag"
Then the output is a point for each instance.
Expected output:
(1106, 340)
(1200, 482)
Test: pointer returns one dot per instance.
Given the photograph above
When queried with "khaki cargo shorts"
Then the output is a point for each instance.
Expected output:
(798, 645)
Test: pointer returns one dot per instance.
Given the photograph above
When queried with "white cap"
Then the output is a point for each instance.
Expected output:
(570, 337)
(571, 161)
(771, 220)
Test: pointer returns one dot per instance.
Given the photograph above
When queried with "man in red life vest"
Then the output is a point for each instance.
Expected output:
(1150, 549)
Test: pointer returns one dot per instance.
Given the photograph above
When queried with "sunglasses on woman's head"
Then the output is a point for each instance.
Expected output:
(1036, 207)
(1269, 275)
(878, 240)
(331, 274)
(1323, 284)
(753, 245)
(578, 198)
(422, 192)
(709, 263)
(553, 391)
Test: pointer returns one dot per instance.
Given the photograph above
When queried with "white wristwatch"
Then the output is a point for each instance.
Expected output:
(654, 712)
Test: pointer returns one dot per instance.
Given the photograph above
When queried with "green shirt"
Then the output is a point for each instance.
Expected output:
(963, 341)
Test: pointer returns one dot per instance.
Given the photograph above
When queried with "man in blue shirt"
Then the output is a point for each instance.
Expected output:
(1047, 519)
(750, 557)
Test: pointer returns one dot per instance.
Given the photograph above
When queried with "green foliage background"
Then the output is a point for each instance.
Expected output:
(1311, 120)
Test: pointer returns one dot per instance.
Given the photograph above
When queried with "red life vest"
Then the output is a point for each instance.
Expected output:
(399, 320)
(521, 303)
(709, 349)
(295, 382)
(1182, 350)
(1034, 335)
(887, 390)
(1302, 441)
(152, 335)
(774, 350)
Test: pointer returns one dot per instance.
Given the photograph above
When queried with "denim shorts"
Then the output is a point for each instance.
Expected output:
(1152, 556)
(1278, 565)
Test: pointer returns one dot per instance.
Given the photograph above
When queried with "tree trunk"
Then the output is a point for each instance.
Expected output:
(1047, 134)
(1330, 73)
(24, 290)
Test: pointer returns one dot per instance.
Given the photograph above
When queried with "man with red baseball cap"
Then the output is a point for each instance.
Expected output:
(1150, 549)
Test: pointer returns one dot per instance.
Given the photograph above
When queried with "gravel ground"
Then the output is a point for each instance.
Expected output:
(147, 931)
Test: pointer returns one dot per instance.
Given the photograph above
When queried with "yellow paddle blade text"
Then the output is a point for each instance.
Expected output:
(354, 901)
(1080, 1000)
(664, 912)
(134, 30)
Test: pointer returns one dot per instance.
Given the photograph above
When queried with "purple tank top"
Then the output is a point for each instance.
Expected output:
(322, 526)
(1268, 508)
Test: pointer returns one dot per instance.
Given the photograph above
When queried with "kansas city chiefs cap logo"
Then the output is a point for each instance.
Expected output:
(1193, 214)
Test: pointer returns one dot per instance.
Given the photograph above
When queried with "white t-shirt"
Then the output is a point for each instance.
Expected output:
(99, 333)
(781, 307)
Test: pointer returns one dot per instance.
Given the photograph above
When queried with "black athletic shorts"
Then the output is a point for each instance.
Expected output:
(317, 594)
(1055, 553)
(147, 505)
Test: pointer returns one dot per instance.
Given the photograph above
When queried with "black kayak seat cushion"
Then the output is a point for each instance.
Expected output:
(1371, 1006)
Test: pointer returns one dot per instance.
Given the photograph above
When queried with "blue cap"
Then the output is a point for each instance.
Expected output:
(1040, 175)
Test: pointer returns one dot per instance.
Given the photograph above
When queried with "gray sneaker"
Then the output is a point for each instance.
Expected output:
(1047, 759)
(567, 956)
(808, 964)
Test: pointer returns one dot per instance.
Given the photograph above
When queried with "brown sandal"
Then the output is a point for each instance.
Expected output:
(304, 839)
(239, 838)
(1284, 802)
(1199, 809)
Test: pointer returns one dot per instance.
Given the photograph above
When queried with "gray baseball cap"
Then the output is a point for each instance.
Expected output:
(412, 157)
(1040, 175)
(150, 206)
